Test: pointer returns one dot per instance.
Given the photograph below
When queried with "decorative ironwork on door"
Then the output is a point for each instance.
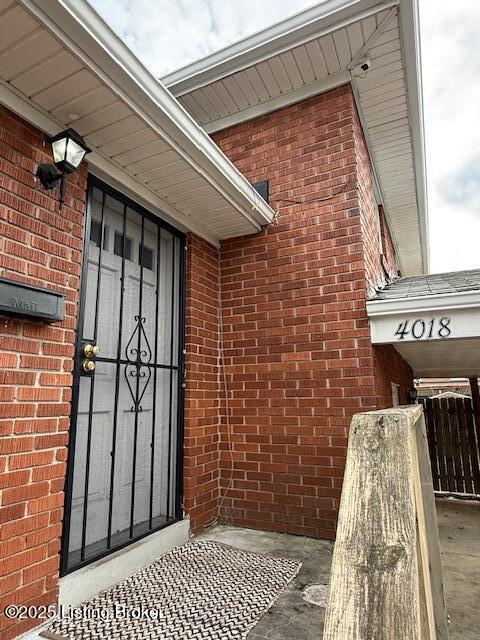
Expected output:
(138, 360)
(125, 465)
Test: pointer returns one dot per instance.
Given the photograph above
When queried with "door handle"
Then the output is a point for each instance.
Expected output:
(91, 350)
(88, 366)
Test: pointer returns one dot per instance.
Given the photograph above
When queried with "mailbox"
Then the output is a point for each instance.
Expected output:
(27, 301)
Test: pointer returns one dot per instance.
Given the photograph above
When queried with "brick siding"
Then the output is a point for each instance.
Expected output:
(379, 252)
(389, 366)
(296, 346)
(202, 394)
(41, 246)
(298, 355)
(390, 258)
(380, 266)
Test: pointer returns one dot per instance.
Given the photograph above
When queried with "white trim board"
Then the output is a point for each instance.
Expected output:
(85, 583)
(417, 304)
(424, 326)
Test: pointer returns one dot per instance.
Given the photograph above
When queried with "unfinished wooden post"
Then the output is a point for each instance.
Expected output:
(430, 570)
(382, 579)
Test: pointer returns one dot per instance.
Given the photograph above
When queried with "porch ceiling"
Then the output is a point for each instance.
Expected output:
(62, 66)
(433, 321)
(312, 52)
(446, 358)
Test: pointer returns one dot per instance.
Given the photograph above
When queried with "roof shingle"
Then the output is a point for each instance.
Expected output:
(430, 285)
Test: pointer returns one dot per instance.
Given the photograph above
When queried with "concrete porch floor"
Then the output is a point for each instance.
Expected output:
(293, 616)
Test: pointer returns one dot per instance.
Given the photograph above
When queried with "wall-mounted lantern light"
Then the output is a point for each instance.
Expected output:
(68, 149)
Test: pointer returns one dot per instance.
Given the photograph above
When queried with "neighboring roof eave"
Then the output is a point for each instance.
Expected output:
(90, 38)
(272, 40)
(297, 30)
(453, 289)
(418, 304)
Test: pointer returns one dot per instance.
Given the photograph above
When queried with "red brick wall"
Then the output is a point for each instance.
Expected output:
(379, 252)
(380, 265)
(298, 356)
(369, 216)
(390, 367)
(41, 246)
(296, 341)
(202, 394)
(390, 258)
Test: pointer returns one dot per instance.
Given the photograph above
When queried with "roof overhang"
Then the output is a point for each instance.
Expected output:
(61, 65)
(317, 50)
(322, 19)
(414, 327)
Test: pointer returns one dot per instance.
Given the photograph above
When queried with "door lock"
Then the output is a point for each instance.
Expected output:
(91, 350)
(88, 366)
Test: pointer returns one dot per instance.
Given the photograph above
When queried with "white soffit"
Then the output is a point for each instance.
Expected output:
(313, 52)
(61, 65)
(445, 358)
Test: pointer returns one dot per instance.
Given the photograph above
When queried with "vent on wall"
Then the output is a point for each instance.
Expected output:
(262, 189)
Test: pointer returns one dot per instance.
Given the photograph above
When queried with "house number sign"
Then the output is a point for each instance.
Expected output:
(424, 329)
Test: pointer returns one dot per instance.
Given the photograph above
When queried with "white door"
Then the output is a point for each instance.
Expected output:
(124, 446)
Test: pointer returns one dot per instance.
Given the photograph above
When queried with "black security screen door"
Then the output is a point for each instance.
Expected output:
(124, 470)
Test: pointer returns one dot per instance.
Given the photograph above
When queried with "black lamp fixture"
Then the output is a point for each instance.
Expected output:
(68, 149)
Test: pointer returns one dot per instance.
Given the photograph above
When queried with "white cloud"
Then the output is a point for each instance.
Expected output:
(451, 78)
(167, 34)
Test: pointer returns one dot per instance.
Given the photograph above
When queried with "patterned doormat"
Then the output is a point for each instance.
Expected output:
(200, 591)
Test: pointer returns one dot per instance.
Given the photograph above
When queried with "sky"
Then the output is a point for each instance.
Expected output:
(167, 34)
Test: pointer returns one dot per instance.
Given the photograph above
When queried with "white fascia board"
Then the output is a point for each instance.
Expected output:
(85, 33)
(303, 27)
(425, 326)
(105, 168)
(279, 102)
(420, 304)
(451, 382)
(411, 49)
